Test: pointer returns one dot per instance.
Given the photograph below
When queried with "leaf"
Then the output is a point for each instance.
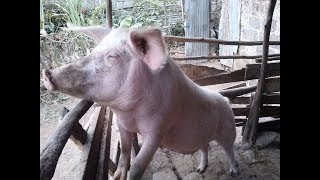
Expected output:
(126, 23)
(137, 25)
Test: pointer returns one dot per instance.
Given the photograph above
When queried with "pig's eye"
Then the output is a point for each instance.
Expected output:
(113, 56)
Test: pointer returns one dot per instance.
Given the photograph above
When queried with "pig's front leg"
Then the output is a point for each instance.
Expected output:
(149, 146)
(124, 160)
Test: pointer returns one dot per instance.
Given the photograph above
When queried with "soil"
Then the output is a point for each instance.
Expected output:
(253, 164)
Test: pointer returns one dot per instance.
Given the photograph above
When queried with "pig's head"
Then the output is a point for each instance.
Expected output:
(108, 68)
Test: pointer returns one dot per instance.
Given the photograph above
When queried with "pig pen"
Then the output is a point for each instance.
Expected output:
(94, 151)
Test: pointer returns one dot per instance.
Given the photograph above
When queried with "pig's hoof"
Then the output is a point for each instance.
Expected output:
(201, 169)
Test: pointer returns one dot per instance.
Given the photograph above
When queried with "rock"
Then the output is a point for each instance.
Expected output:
(266, 138)
(167, 174)
(193, 176)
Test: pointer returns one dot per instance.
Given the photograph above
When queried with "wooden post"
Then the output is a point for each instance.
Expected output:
(78, 134)
(109, 13)
(249, 134)
(51, 152)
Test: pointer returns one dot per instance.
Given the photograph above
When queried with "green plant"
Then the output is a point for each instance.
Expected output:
(73, 9)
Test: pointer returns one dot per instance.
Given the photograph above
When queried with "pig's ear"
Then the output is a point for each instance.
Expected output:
(149, 45)
(95, 32)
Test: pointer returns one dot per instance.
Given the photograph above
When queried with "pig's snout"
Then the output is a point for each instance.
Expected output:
(47, 79)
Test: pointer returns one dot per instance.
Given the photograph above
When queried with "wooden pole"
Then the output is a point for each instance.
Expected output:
(109, 13)
(216, 41)
(220, 57)
(249, 135)
(51, 152)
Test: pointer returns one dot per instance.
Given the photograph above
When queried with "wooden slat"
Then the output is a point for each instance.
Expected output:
(253, 70)
(271, 99)
(272, 85)
(232, 93)
(104, 154)
(198, 71)
(233, 76)
(273, 125)
(259, 60)
(265, 111)
(51, 152)
(243, 84)
(240, 100)
(89, 158)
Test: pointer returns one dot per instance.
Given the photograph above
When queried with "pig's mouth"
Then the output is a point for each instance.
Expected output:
(47, 80)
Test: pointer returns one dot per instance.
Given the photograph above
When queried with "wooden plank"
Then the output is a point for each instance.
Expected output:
(265, 111)
(259, 60)
(104, 154)
(217, 41)
(253, 70)
(240, 100)
(197, 25)
(198, 71)
(87, 167)
(273, 125)
(220, 57)
(78, 134)
(233, 76)
(243, 84)
(51, 152)
(231, 93)
(271, 99)
(272, 85)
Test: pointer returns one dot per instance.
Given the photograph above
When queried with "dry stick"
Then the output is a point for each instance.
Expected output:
(109, 13)
(253, 119)
(221, 57)
(217, 41)
(52, 150)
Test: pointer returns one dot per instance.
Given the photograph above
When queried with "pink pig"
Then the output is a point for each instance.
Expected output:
(131, 72)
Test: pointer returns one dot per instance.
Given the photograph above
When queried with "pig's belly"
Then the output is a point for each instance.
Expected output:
(189, 137)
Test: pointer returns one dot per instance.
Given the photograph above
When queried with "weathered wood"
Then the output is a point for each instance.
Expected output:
(219, 57)
(135, 143)
(231, 93)
(271, 99)
(112, 167)
(78, 134)
(117, 153)
(240, 119)
(87, 166)
(234, 76)
(249, 135)
(273, 125)
(253, 70)
(198, 71)
(51, 152)
(259, 60)
(243, 84)
(272, 85)
(217, 41)
(240, 100)
(197, 24)
(109, 13)
(266, 111)
(104, 154)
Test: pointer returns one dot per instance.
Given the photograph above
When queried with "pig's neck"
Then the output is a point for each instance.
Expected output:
(142, 87)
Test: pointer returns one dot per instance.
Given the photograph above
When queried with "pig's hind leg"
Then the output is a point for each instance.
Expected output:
(203, 159)
(227, 145)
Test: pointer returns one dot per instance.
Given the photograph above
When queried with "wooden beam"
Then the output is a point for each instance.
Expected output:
(259, 60)
(243, 84)
(51, 152)
(233, 76)
(240, 100)
(271, 99)
(272, 85)
(249, 135)
(266, 111)
(198, 71)
(231, 93)
(216, 41)
(219, 57)
(109, 13)
(87, 166)
(104, 154)
(78, 134)
(253, 70)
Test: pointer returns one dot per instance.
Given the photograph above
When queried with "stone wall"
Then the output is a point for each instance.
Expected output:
(252, 21)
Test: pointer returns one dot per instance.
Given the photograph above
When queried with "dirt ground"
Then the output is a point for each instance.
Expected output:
(253, 164)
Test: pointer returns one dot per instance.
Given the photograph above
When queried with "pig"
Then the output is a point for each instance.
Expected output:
(130, 71)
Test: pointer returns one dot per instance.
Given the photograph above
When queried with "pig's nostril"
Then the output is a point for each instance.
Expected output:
(47, 79)
(46, 74)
